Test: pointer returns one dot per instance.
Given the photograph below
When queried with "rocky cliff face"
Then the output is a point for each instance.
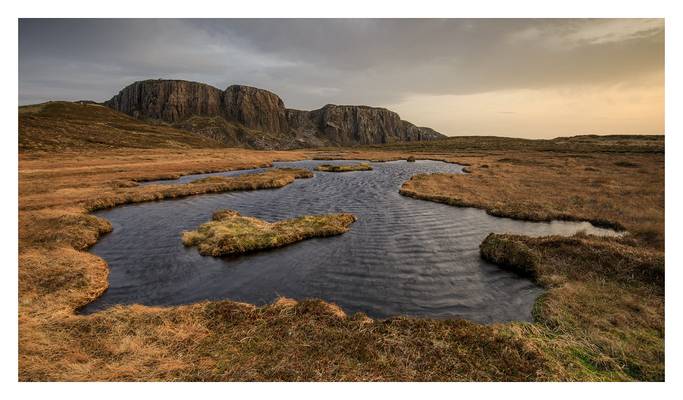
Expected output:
(349, 125)
(170, 101)
(251, 117)
(255, 108)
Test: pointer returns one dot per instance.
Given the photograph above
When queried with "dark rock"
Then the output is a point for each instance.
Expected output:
(166, 100)
(255, 108)
(251, 117)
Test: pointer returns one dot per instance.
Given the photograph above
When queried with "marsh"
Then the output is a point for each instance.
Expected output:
(402, 257)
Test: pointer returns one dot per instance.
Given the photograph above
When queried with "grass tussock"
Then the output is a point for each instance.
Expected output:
(343, 168)
(603, 315)
(285, 341)
(231, 233)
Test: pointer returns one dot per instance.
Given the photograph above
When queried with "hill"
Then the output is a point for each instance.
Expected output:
(62, 125)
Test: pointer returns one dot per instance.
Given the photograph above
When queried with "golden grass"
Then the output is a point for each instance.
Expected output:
(271, 179)
(231, 233)
(63, 125)
(310, 340)
(596, 322)
(65, 180)
(603, 315)
(562, 145)
(344, 168)
(543, 187)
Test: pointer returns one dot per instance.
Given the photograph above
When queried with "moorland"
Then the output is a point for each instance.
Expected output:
(601, 317)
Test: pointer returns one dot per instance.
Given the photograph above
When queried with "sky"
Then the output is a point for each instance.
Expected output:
(532, 78)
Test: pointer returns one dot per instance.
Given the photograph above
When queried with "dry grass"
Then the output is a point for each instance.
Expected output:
(65, 180)
(271, 179)
(288, 340)
(541, 187)
(603, 315)
(231, 233)
(311, 340)
(602, 318)
(343, 168)
(62, 125)
(561, 145)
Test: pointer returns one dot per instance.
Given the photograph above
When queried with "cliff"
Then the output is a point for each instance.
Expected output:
(251, 117)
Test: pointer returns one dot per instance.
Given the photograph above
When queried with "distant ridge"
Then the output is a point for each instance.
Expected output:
(256, 118)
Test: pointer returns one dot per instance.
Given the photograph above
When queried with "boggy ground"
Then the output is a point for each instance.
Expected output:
(229, 232)
(602, 318)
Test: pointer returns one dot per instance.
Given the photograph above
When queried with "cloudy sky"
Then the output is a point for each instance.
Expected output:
(510, 77)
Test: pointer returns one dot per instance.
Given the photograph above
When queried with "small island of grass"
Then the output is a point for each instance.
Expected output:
(344, 168)
(270, 179)
(231, 233)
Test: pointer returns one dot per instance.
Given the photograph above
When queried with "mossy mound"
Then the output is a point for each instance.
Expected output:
(602, 316)
(515, 255)
(231, 233)
(590, 258)
(343, 168)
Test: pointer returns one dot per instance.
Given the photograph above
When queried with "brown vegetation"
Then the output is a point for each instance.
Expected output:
(543, 187)
(272, 179)
(62, 125)
(602, 318)
(561, 145)
(603, 315)
(311, 340)
(231, 233)
(343, 168)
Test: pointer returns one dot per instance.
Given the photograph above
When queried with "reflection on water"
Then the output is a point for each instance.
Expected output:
(402, 257)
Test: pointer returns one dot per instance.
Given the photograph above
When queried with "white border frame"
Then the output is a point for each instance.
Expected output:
(351, 9)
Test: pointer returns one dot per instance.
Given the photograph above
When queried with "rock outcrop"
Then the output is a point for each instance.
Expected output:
(251, 117)
(349, 125)
(170, 101)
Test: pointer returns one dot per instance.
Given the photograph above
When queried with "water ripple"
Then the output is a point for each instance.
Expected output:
(402, 257)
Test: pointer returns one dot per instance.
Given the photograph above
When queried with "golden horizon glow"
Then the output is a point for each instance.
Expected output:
(544, 113)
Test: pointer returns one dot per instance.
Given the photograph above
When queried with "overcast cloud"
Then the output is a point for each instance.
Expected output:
(413, 66)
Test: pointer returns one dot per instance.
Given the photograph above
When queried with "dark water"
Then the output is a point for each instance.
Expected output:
(190, 178)
(402, 257)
